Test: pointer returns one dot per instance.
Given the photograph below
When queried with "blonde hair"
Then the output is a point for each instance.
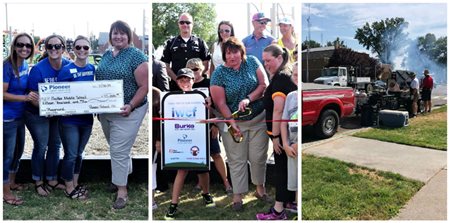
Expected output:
(195, 62)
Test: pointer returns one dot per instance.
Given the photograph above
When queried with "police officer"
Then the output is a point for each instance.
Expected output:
(180, 49)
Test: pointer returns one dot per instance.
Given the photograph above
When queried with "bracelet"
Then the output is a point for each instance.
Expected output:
(131, 105)
(248, 97)
(275, 137)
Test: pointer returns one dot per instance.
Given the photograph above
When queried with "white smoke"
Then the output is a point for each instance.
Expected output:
(409, 57)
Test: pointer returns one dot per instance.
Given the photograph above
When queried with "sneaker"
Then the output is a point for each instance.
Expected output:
(264, 198)
(208, 199)
(291, 206)
(271, 215)
(170, 215)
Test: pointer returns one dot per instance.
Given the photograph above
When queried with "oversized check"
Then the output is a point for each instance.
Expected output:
(81, 97)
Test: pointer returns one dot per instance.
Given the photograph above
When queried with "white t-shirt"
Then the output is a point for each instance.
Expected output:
(217, 55)
(415, 83)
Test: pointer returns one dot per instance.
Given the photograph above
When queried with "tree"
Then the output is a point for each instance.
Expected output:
(383, 38)
(337, 41)
(312, 44)
(435, 49)
(165, 17)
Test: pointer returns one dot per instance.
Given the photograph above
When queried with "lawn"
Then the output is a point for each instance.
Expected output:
(191, 205)
(97, 207)
(429, 130)
(334, 190)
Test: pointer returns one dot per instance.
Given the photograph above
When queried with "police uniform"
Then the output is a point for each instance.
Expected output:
(178, 52)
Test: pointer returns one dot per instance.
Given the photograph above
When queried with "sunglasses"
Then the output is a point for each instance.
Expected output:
(53, 46)
(21, 45)
(195, 69)
(263, 22)
(184, 22)
(224, 31)
(84, 47)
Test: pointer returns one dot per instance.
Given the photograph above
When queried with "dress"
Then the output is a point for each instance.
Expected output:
(121, 132)
(177, 52)
(280, 85)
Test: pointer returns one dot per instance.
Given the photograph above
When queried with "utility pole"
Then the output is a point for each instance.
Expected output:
(308, 42)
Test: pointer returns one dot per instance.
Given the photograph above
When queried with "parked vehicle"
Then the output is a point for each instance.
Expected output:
(324, 105)
(345, 76)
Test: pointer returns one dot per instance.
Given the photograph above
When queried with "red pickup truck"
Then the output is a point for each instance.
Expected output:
(324, 105)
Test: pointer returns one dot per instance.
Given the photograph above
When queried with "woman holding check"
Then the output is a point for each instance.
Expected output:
(75, 130)
(127, 63)
(44, 130)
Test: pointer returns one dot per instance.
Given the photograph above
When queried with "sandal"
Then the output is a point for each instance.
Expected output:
(43, 188)
(13, 201)
(51, 188)
(76, 194)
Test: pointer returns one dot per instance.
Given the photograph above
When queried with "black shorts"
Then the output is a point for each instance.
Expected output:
(426, 94)
(214, 146)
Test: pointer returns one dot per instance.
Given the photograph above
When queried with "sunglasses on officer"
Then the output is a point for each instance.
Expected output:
(53, 46)
(184, 22)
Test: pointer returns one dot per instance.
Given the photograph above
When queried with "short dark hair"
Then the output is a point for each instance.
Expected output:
(123, 27)
(233, 44)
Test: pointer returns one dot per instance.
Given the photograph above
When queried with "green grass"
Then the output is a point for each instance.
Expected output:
(97, 207)
(334, 190)
(428, 131)
(191, 206)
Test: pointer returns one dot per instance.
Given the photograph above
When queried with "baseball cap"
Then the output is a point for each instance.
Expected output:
(285, 20)
(260, 16)
(185, 72)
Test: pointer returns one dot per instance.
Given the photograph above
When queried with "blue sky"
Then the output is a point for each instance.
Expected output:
(331, 20)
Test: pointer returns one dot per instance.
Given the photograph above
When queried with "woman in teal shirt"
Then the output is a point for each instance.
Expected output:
(129, 64)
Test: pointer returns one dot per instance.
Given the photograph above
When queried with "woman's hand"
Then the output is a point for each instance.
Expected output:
(243, 104)
(276, 145)
(126, 110)
(33, 98)
(291, 150)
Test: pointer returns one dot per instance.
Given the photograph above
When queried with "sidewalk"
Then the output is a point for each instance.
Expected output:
(426, 165)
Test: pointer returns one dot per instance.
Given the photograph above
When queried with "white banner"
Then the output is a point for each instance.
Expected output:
(81, 97)
(185, 141)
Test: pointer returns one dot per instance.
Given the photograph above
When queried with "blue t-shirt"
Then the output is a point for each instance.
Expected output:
(238, 84)
(17, 86)
(42, 72)
(255, 46)
(122, 67)
(72, 72)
